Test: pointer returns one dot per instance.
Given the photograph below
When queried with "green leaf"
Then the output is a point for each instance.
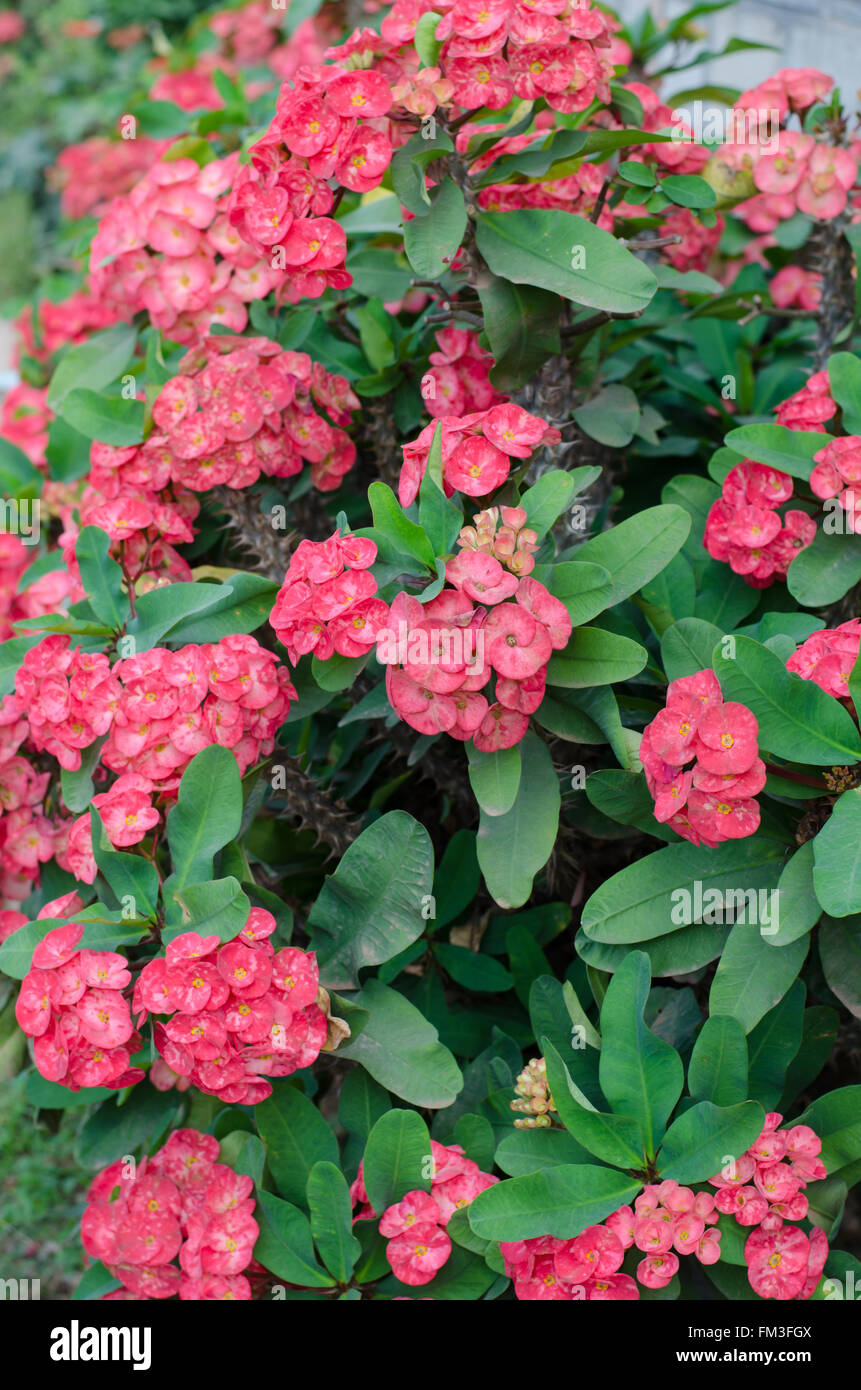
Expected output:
(585, 589)
(390, 520)
(559, 1201)
(93, 364)
(840, 953)
(332, 1220)
(752, 977)
(797, 905)
(637, 549)
(717, 1071)
(550, 496)
(18, 476)
(402, 1050)
(109, 419)
(103, 931)
(206, 817)
(615, 1139)
(376, 343)
(337, 672)
(512, 847)
(431, 242)
(797, 720)
(361, 1103)
(687, 646)
(96, 1282)
(217, 907)
(475, 970)
(778, 447)
(427, 46)
(120, 1129)
(440, 517)
(284, 1245)
(522, 328)
(836, 1118)
(529, 1150)
(566, 255)
(773, 1045)
(77, 787)
(160, 611)
(370, 908)
(611, 417)
(697, 1144)
(12, 653)
(657, 895)
(688, 191)
(241, 604)
(595, 657)
(844, 381)
(495, 778)
(101, 576)
(409, 164)
(825, 570)
(397, 1158)
(296, 1137)
(837, 857)
(129, 876)
(641, 1075)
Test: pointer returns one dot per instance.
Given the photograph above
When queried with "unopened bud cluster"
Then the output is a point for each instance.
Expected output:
(534, 1100)
(512, 543)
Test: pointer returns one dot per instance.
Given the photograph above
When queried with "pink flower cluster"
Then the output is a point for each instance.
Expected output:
(72, 1003)
(447, 650)
(836, 471)
(180, 1203)
(24, 421)
(494, 50)
(331, 122)
(12, 26)
(681, 155)
(828, 656)
(327, 602)
(242, 407)
(744, 527)
(90, 174)
(127, 813)
(787, 91)
(765, 1188)
(715, 799)
(459, 373)
(477, 450)
(803, 175)
(795, 287)
(28, 836)
(240, 1010)
(69, 697)
(810, 408)
(513, 543)
(168, 247)
(666, 1221)
(698, 243)
(171, 705)
(70, 320)
(418, 1244)
(577, 193)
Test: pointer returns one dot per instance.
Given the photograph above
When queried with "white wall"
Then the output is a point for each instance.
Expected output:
(823, 34)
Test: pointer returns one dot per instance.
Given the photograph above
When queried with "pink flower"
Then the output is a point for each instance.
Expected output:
(416, 1208)
(831, 172)
(416, 1254)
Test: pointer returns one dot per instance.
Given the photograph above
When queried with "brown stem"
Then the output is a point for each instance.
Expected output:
(799, 777)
